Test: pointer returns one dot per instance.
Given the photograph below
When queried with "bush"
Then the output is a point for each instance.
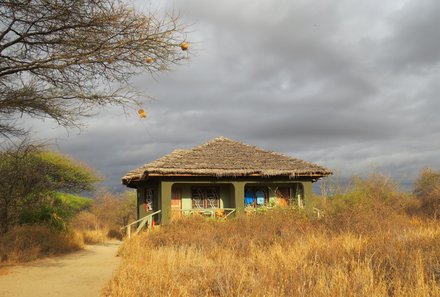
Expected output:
(26, 243)
(85, 220)
(48, 216)
(371, 204)
(30, 178)
(94, 236)
(114, 211)
(55, 211)
(427, 191)
(114, 234)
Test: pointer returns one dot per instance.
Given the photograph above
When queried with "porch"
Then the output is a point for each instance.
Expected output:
(217, 198)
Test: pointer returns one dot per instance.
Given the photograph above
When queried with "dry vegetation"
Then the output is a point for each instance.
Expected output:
(105, 217)
(372, 242)
(27, 243)
(95, 222)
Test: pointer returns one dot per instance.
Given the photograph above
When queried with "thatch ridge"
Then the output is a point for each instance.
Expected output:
(224, 157)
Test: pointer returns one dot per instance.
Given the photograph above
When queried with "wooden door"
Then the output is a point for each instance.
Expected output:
(283, 196)
(176, 203)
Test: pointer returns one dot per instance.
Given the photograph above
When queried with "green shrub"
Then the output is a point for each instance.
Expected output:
(55, 211)
(427, 191)
(29, 179)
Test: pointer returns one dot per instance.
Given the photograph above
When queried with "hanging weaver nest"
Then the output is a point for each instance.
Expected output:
(184, 46)
(142, 113)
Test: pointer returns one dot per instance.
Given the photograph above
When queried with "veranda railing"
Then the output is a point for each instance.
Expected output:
(145, 221)
(219, 213)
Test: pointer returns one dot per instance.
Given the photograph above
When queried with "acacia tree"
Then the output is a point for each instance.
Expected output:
(61, 58)
(30, 176)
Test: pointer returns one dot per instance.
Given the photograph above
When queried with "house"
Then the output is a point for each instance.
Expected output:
(219, 177)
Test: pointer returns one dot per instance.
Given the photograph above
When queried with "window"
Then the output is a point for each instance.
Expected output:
(299, 195)
(255, 197)
(261, 197)
(148, 203)
(205, 197)
(296, 197)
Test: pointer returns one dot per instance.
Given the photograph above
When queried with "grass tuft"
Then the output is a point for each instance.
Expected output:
(27, 243)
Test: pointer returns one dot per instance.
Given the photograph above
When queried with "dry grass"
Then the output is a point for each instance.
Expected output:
(27, 243)
(282, 253)
(94, 236)
(88, 225)
(369, 243)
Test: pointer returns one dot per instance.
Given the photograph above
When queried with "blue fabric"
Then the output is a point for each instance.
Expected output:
(248, 201)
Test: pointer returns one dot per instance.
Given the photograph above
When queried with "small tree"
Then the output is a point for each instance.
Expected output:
(29, 178)
(427, 190)
(61, 58)
(114, 210)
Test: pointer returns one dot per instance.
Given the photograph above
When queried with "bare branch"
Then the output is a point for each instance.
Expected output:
(56, 56)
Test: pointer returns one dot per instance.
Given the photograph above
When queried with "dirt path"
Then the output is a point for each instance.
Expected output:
(83, 274)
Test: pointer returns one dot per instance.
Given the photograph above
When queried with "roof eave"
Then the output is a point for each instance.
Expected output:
(127, 180)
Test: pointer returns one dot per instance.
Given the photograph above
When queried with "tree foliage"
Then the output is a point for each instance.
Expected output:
(30, 178)
(427, 190)
(61, 58)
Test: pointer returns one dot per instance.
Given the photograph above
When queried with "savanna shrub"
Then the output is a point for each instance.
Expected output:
(115, 234)
(26, 243)
(371, 204)
(427, 191)
(46, 215)
(85, 220)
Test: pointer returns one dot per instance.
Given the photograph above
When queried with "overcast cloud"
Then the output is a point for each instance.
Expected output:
(349, 85)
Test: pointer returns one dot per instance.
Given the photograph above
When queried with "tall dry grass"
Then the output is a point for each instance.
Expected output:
(366, 245)
(107, 214)
(88, 226)
(279, 253)
(27, 243)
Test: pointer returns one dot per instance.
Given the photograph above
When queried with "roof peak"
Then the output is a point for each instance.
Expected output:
(216, 140)
(221, 138)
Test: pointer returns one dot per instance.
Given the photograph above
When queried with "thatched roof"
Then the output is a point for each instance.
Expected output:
(224, 157)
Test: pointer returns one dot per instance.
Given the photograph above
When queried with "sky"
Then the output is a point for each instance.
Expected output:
(350, 85)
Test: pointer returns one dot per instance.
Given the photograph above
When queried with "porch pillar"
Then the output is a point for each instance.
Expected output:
(308, 193)
(165, 202)
(239, 195)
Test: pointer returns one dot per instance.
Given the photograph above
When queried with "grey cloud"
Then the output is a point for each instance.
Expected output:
(414, 43)
(350, 85)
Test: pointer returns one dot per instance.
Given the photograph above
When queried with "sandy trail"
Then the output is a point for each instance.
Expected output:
(82, 273)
